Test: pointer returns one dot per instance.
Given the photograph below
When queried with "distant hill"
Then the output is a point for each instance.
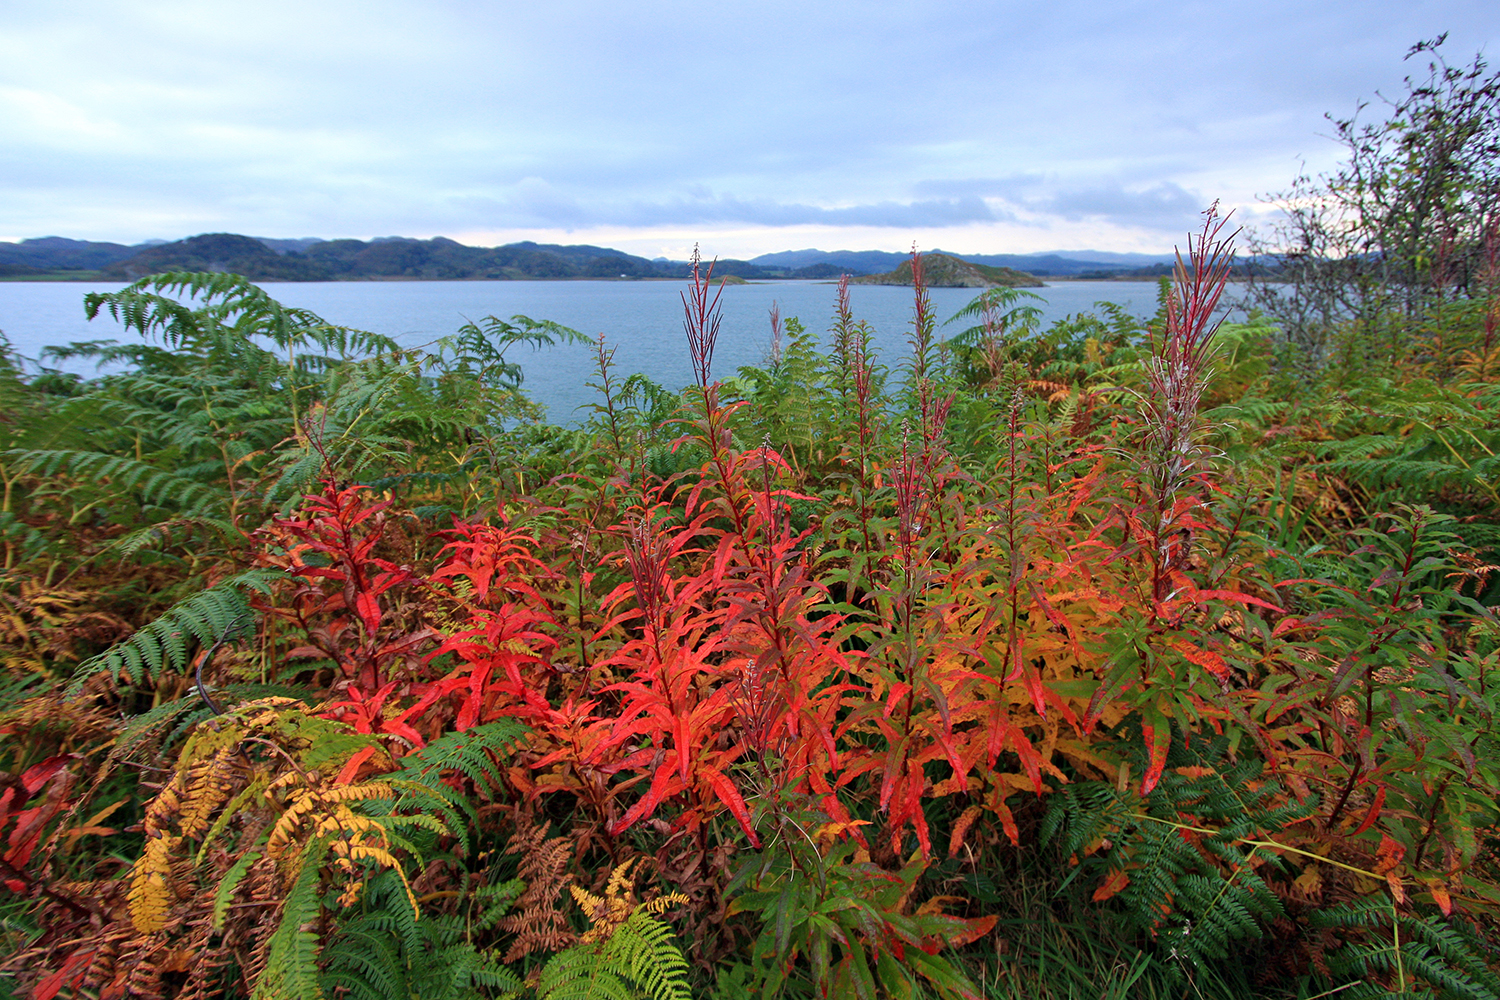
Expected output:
(844, 261)
(400, 258)
(54, 253)
(442, 258)
(217, 252)
(940, 270)
(290, 246)
(1057, 264)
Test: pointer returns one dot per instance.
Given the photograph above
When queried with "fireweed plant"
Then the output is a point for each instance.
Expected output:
(1069, 642)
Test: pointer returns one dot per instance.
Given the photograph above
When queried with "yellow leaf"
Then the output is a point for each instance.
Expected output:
(1309, 882)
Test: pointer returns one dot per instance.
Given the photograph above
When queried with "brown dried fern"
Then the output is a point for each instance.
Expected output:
(537, 923)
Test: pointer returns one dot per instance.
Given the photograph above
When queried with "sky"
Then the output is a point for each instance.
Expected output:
(1013, 126)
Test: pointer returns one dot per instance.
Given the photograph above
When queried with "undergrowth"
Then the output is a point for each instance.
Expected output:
(1065, 662)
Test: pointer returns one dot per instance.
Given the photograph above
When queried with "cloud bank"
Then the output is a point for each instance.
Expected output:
(1011, 125)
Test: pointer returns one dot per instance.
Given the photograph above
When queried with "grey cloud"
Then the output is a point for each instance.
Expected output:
(441, 115)
(1165, 205)
(1012, 187)
(536, 203)
(766, 212)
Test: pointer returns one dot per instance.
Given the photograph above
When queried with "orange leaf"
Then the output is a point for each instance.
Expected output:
(1205, 658)
(1389, 855)
(1441, 897)
(974, 929)
(961, 828)
(1117, 880)
(1157, 737)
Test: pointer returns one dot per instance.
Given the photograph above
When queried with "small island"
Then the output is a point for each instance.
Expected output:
(940, 270)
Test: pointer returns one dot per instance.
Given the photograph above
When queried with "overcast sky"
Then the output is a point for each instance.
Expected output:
(646, 126)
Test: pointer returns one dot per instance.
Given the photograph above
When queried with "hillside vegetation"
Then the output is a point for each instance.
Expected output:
(1108, 659)
(944, 271)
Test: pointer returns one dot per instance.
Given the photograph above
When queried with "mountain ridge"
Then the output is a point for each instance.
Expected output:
(441, 258)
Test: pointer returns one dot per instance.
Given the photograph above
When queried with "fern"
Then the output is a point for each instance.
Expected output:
(1178, 864)
(1406, 949)
(151, 485)
(224, 894)
(638, 959)
(474, 754)
(20, 540)
(386, 952)
(168, 722)
(227, 308)
(292, 959)
(166, 644)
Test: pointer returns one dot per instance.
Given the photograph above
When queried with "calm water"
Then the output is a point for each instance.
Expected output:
(642, 319)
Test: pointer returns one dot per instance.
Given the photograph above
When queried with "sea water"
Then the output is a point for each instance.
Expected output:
(641, 320)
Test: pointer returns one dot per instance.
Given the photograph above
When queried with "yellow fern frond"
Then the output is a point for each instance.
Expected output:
(585, 899)
(333, 816)
(608, 913)
(661, 904)
(151, 892)
(285, 830)
(618, 886)
(166, 806)
(353, 793)
(209, 788)
(344, 822)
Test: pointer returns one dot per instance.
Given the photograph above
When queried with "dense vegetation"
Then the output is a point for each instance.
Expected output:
(1072, 662)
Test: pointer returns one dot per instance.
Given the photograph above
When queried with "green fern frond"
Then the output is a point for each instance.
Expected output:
(642, 947)
(26, 543)
(639, 959)
(383, 952)
(153, 486)
(224, 895)
(1440, 952)
(291, 971)
(1195, 897)
(166, 643)
(473, 753)
(580, 973)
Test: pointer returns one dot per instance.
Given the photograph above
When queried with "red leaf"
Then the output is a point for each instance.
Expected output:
(74, 969)
(1373, 813)
(1234, 595)
(39, 774)
(730, 796)
(351, 767)
(369, 611)
(898, 690)
(659, 790)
